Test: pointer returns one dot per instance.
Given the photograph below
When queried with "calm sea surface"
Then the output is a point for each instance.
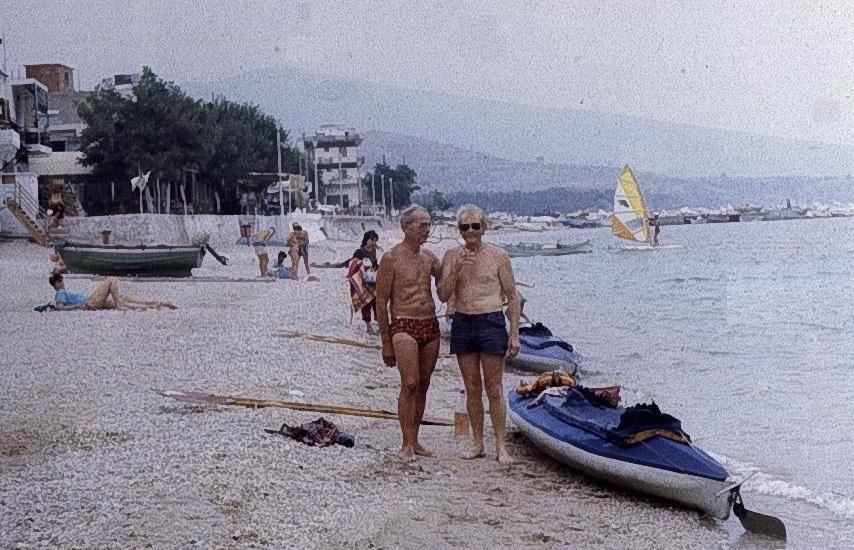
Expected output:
(746, 334)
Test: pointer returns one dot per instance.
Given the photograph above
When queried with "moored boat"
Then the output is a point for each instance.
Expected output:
(601, 440)
(520, 250)
(135, 260)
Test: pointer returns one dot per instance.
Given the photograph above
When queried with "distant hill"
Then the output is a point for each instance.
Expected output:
(522, 133)
(532, 187)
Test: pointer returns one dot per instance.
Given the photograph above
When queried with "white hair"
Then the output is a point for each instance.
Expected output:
(410, 211)
(466, 208)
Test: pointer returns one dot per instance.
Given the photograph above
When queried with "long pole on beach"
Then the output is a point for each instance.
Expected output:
(253, 403)
(279, 175)
(316, 186)
(382, 183)
(374, 191)
(391, 190)
(340, 182)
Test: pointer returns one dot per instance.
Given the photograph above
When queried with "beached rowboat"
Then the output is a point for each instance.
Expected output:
(538, 249)
(121, 260)
(566, 425)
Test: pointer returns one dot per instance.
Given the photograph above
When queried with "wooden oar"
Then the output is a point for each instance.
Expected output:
(335, 340)
(210, 399)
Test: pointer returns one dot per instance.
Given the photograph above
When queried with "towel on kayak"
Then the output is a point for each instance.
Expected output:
(553, 379)
(641, 422)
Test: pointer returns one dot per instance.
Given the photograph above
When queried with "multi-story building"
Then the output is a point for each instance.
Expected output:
(334, 153)
(30, 98)
(10, 140)
(61, 119)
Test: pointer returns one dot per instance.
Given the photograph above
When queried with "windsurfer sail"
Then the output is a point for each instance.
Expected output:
(630, 220)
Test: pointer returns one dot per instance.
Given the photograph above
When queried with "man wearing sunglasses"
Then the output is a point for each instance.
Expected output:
(406, 315)
(478, 278)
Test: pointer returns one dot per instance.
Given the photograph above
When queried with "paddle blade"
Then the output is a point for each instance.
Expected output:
(759, 523)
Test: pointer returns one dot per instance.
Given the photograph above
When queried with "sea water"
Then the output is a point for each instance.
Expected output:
(746, 334)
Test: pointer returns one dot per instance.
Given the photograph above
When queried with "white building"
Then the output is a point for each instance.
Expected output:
(334, 153)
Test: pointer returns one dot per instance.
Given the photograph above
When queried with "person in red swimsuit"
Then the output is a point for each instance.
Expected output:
(406, 315)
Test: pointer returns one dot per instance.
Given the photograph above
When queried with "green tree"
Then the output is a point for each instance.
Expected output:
(402, 178)
(162, 129)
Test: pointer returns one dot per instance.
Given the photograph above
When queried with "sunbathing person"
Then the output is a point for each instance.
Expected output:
(106, 296)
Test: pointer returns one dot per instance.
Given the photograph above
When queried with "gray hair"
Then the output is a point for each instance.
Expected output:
(466, 208)
(410, 211)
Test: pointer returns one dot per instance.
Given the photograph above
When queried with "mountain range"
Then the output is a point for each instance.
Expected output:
(465, 145)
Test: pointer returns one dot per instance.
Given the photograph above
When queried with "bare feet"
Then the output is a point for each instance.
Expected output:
(476, 452)
(503, 457)
(420, 450)
(407, 454)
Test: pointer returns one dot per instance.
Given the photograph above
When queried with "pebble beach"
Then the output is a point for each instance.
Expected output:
(92, 457)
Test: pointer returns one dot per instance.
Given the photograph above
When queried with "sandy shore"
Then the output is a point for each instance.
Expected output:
(91, 457)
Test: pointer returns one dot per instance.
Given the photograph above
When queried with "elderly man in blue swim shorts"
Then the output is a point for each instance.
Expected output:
(478, 277)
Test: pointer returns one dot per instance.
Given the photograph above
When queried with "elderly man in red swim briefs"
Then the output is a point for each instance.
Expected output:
(406, 315)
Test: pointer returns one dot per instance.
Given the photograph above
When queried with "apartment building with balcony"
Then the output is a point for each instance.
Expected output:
(334, 152)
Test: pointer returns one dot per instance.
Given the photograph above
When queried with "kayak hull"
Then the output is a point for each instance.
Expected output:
(631, 467)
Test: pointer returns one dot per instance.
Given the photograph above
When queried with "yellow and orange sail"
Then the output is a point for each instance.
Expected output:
(630, 220)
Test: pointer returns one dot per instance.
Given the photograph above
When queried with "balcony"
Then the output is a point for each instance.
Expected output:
(37, 144)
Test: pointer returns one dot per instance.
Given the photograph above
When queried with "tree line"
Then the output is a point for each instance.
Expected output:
(161, 129)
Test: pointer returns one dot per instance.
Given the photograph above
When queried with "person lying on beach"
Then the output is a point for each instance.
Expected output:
(259, 241)
(106, 296)
(406, 315)
(477, 276)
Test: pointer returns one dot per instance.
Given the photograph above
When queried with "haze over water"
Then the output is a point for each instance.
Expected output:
(746, 335)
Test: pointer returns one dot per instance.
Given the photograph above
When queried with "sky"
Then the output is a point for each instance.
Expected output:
(776, 67)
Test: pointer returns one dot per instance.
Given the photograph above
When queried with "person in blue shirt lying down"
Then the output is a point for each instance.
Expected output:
(106, 296)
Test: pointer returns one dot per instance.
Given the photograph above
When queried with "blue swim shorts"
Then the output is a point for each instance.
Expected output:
(481, 333)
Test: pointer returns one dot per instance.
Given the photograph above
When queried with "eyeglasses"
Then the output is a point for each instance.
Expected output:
(465, 227)
(423, 225)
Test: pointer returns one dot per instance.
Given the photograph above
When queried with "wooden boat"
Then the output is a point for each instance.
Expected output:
(538, 249)
(568, 426)
(135, 261)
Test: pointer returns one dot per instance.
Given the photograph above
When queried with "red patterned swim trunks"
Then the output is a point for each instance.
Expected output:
(422, 331)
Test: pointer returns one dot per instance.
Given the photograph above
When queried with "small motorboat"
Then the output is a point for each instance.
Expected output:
(542, 351)
(521, 250)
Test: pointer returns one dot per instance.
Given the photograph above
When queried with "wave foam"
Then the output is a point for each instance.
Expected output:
(767, 484)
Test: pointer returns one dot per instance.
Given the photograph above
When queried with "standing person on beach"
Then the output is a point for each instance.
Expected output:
(406, 315)
(259, 242)
(364, 262)
(297, 242)
(478, 276)
(302, 237)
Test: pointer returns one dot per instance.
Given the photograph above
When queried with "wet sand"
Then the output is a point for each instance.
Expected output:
(91, 457)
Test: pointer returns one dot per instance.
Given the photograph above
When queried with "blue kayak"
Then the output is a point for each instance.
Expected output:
(573, 427)
(542, 351)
